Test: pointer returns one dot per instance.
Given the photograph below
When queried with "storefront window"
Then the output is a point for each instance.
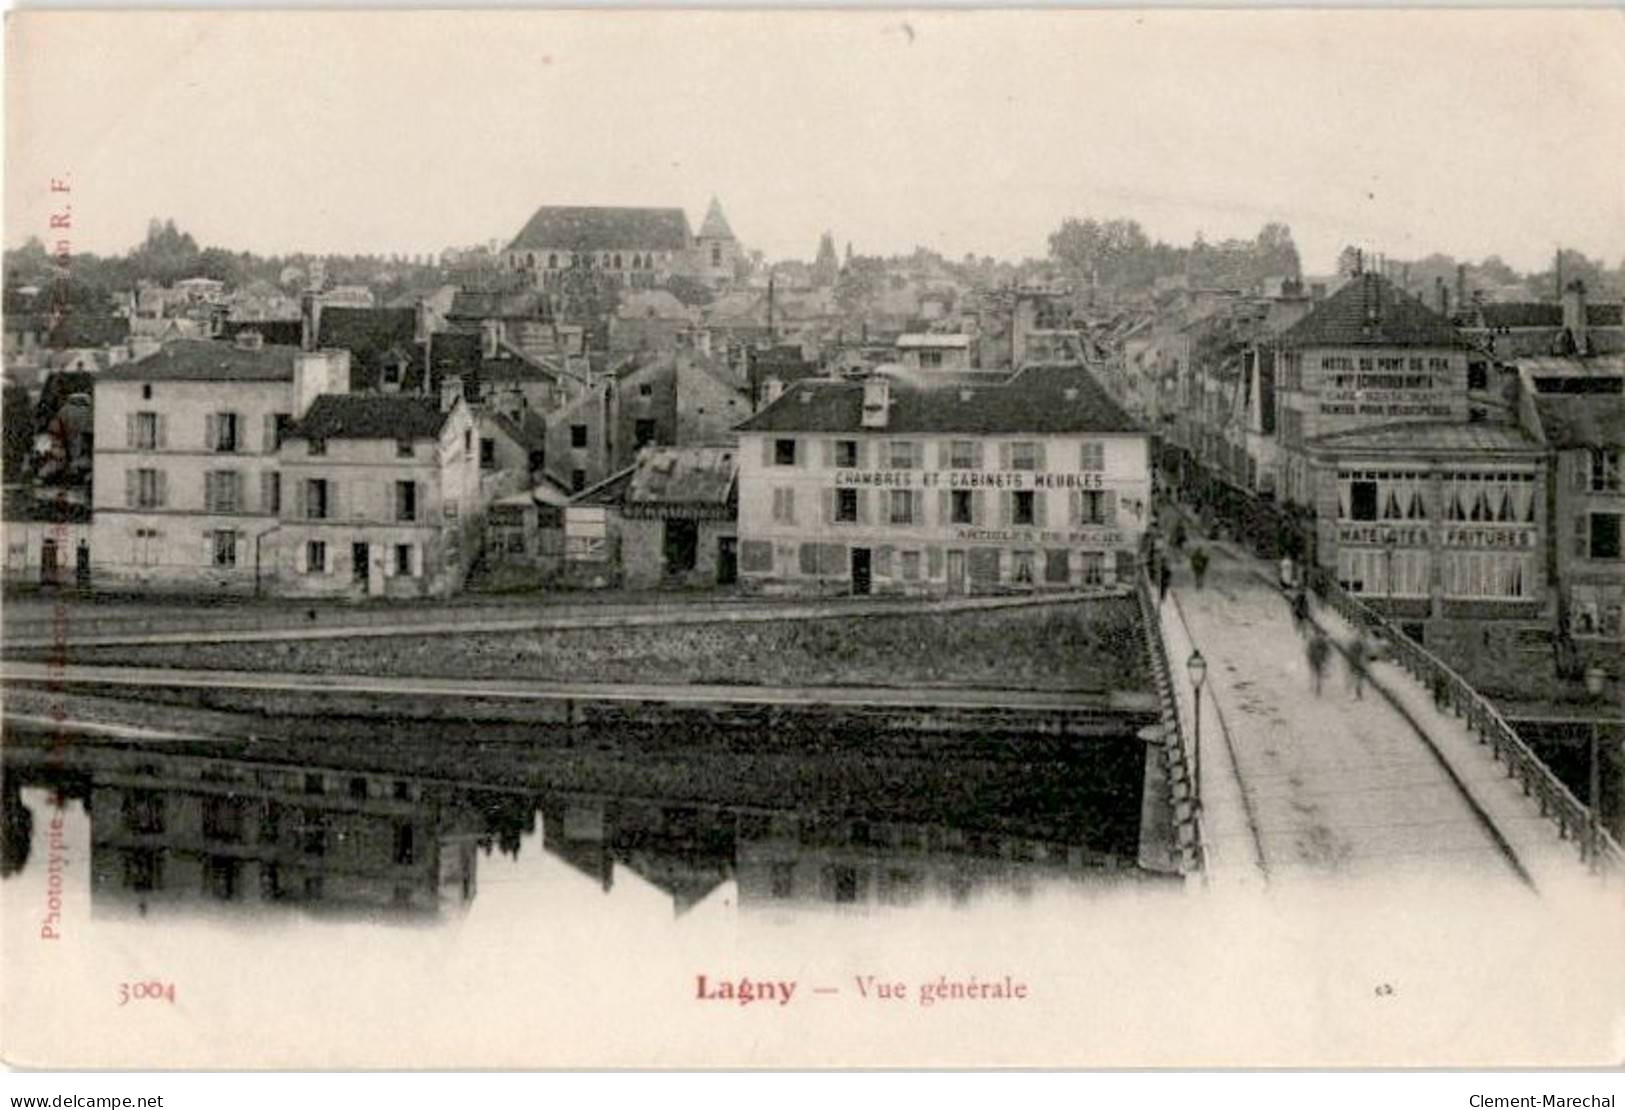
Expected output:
(1021, 567)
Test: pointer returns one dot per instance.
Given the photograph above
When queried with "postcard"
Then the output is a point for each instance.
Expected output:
(813, 539)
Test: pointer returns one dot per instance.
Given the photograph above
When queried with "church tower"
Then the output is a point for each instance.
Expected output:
(715, 248)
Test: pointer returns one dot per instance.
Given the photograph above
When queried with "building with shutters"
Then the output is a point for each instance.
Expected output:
(905, 483)
(185, 490)
(380, 497)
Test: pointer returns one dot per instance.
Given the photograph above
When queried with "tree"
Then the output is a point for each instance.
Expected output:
(1277, 253)
(861, 281)
(1349, 261)
(693, 293)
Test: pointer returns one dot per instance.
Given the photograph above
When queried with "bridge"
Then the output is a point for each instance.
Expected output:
(1273, 783)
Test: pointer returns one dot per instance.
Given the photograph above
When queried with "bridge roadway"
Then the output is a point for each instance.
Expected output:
(1296, 785)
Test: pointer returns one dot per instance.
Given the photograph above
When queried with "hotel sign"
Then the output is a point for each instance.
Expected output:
(971, 479)
(1385, 402)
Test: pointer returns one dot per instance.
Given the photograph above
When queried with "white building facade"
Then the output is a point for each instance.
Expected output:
(1035, 482)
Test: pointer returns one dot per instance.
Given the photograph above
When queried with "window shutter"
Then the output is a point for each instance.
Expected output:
(129, 429)
(211, 431)
(829, 452)
(421, 495)
(208, 548)
(829, 506)
(335, 510)
(1074, 507)
(1007, 506)
(1004, 456)
(129, 489)
(804, 453)
(301, 499)
(978, 454)
(1040, 507)
(767, 451)
(1108, 509)
(241, 545)
(944, 457)
(270, 433)
(863, 506)
(790, 506)
(862, 453)
(163, 432)
(918, 508)
(1038, 454)
(163, 488)
(978, 506)
(266, 478)
(301, 562)
(389, 561)
(1579, 461)
(945, 507)
(239, 492)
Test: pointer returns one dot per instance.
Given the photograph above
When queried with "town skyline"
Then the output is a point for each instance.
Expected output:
(863, 126)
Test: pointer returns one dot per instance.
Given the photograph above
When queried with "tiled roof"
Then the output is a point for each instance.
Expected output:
(1371, 311)
(281, 333)
(76, 329)
(371, 416)
(207, 360)
(716, 224)
(1590, 420)
(530, 433)
(367, 332)
(1538, 314)
(1430, 436)
(683, 476)
(482, 304)
(1035, 400)
(604, 229)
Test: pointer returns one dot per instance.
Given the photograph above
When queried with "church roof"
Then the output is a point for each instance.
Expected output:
(716, 224)
(556, 227)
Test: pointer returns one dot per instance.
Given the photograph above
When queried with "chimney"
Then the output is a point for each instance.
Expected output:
(310, 320)
(772, 390)
(1574, 315)
(1441, 293)
(1461, 283)
(451, 391)
(316, 373)
(876, 402)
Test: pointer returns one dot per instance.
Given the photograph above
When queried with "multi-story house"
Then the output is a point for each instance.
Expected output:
(186, 487)
(1036, 481)
(381, 496)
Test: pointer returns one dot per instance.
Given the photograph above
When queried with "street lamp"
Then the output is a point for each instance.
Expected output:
(1389, 540)
(1596, 678)
(1196, 667)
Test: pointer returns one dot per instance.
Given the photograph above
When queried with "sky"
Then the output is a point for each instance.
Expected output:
(1466, 132)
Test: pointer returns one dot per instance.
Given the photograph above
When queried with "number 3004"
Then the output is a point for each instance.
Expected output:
(143, 991)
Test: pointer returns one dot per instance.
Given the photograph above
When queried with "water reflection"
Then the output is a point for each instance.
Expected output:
(181, 828)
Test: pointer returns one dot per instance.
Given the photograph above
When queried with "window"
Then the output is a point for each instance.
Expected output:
(643, 432)
(962, 455)
(961, 507)
(316, 557)
(403, 559)
(271, 492)
(144, 812)
(902, 506)
(403, 449)
(846, 453)
(316, 498)
(1021, 567)
(1024, 456)
(846, 506)
(225, 548)
(317, 447)
(1605, 469)
(784, 506)
(1021, 507)
(1363, 501)
(578, 480)
(1092, 507)
(222, 491)
(405, 845)
(1605, 536)
(148, 489)
(1055, 566)
(145, 437)
(784, 452)
(1094, 565)
(910, 565)
(1092, 456)
(646, 390)
(1478, 376)
(406, 501)
(902, 455)
(146, 392)
(930, 359)
(223, 425)
(578, 435)
(488, 453)
(716, 254)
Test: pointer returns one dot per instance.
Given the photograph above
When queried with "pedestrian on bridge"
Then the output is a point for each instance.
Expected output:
(1359, 658)
(1199, 565)
(1164, 577)
(1318, 651)
(1300, 609)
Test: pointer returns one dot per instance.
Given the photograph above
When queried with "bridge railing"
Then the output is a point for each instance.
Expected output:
(1176, 749)
(1574, 819)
